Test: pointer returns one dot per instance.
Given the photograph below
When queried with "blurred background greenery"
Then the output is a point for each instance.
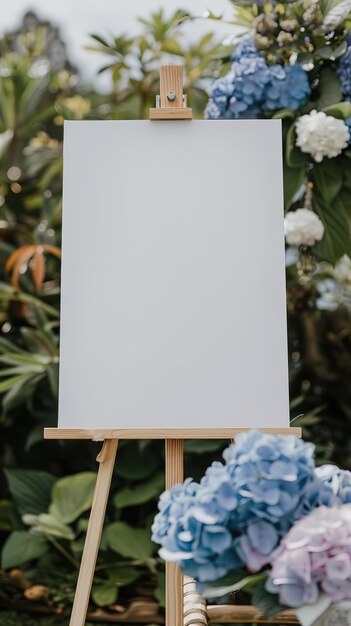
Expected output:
(43, 481)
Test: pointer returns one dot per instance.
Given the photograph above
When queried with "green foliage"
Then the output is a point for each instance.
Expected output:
(268, 603)
(134, 62)
(58, 526)
(134, 543)
(233, 582)
(105, 594)
(5, 515)
(30, 490)
(72, 496)
(141, 493)
(21, 547)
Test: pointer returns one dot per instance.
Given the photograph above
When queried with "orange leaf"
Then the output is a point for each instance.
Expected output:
(21, 260)
(38, 267)
(15, 255)
(52, 250)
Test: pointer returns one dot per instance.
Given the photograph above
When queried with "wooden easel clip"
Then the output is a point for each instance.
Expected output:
(171, 104)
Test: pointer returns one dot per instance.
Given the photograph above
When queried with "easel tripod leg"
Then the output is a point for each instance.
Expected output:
(174, 578)
(106, 460)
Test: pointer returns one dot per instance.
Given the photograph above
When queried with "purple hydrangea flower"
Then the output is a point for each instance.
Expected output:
(314, 556)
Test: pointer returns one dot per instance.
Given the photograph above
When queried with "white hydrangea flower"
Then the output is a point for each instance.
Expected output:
(321, 135)
(302, 228)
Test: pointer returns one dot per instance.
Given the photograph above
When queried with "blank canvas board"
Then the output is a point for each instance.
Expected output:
(173, 283)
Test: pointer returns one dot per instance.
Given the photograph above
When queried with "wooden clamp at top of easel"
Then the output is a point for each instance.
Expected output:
(170, 105)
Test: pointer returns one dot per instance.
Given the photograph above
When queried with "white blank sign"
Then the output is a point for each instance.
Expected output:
(173, 286)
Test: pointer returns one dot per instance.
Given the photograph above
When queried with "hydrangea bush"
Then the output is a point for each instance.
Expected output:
(266, 509)
(295, 64)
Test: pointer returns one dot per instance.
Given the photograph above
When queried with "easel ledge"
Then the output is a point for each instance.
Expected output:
(100, 434)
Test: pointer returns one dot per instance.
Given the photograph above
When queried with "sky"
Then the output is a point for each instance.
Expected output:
(78, 18)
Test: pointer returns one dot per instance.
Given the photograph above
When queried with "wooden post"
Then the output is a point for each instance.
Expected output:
(106, 460)
(174, 578)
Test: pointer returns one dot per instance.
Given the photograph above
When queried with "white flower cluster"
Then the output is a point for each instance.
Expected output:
(321, 135)
(303, 228)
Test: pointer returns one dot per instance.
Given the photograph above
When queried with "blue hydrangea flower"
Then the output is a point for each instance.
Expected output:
(239, 93)
(348, 122)
(344, 72)
(330, 294)
(273, 475)
(192, 529)
(244, 48)
(251, 86)
(338, 480)
(288, 88)
(242, 507)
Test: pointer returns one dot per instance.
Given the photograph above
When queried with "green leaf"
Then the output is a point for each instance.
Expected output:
(37, 360)
(46, 524)
(5, 385)
(72, 496)
(105, 594)
(36, 341)
(122, 576)
(336, 240)
(134, 543)
(9, 346)
(283, 114)
(160, 591)
(266, 602)
(199, 446)
(6, 510)
(21, 547)
(140, 494)
(327, 5)
(136, 464)
(100, 40)
(30, 489)
(329, 89)
(293, 155)
(342, 110)
(171, 46)
(293, 180)
(20, 394)
(234, 581)
(328, 179)
(331, 52)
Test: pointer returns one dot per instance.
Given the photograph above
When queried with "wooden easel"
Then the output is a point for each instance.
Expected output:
(171, 105)
(174, 474)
